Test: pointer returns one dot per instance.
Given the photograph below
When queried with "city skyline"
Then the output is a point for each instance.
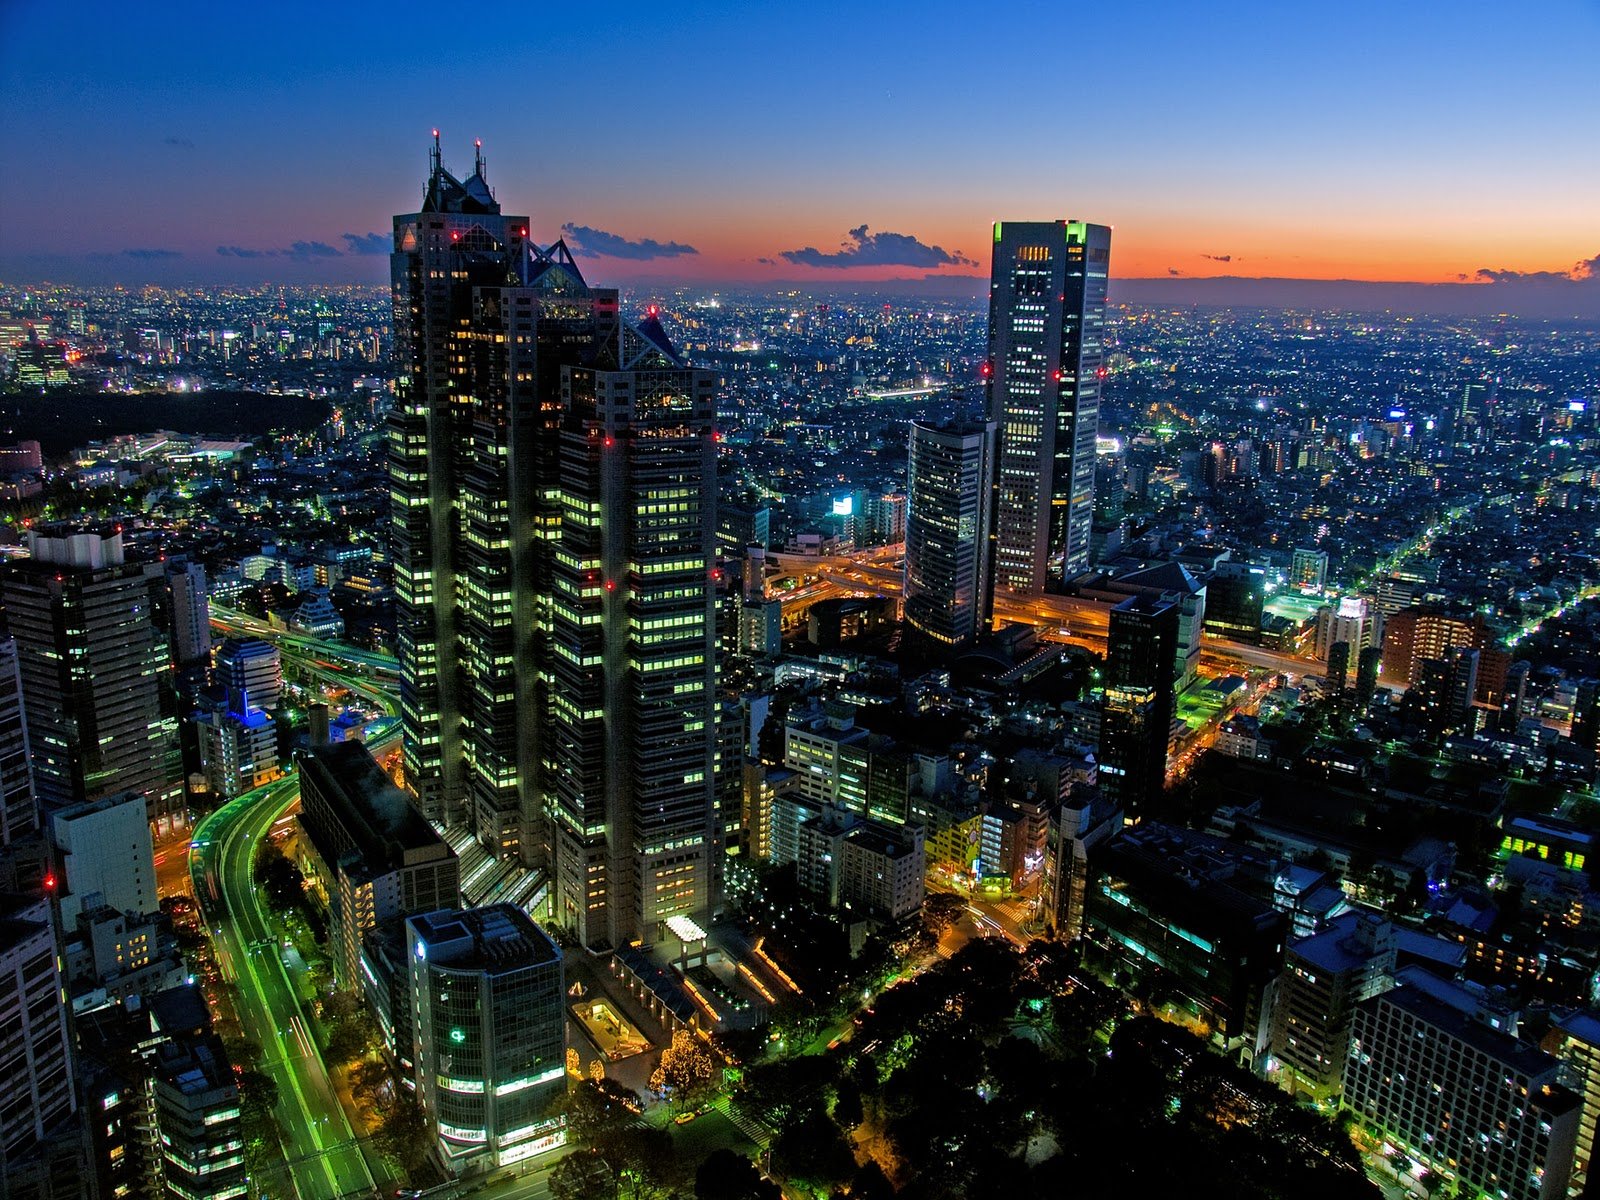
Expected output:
(1367, 149)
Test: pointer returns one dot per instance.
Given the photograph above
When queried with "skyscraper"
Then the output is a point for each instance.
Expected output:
(948, 475)
(1047, 299)
(632, 644)
(552, 474)
(1136, 720)
(90, 662)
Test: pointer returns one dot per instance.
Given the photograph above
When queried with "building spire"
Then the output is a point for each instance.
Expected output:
(477, 158)
(435, 158)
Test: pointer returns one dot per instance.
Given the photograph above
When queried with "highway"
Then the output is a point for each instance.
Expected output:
(322, 1157)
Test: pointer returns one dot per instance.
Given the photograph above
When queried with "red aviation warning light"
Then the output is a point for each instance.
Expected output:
(611, 585)
(50, 881)
(986, 370)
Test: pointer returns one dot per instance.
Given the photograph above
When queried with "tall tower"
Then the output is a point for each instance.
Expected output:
(633, 640)
(1136, 718)
(90, 667)
(450, 260)
(949, 476)
(1047, 303)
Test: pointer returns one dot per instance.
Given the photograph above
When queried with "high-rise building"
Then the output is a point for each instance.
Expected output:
(199, 1117)
(1338, 668)
(949, 475)
(1137, 711)
(104, 847)
(632, 645)
(1470, 1102)
(464, 353)
(1235, 597)
(552, 471)
(19, 809)
(375, 857)
(1414, 635)
(1308, 570)
(1368, 665)
(90, 664)
(250, 670)
(1350, 622)
(489, 1031)
(189, 612)
(1047, 296)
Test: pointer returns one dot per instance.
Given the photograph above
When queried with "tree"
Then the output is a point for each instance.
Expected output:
(728, 1176)
(940, 912)
(574, 1064)
(597, 1071)
(813, 1149)
(403, 1133)
(685, 1069)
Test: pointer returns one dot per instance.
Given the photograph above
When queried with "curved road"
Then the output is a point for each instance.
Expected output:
(324, 1160)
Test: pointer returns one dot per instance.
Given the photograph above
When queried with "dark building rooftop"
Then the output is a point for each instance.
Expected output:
(343, 783)
(497, 937)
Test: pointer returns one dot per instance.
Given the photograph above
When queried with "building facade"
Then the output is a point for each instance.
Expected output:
(949, 472)
(1047, 295)
(488, 1025)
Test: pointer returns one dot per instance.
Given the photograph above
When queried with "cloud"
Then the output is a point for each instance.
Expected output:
(1174, 271)
(368, 243)
(244, 252)
(153, 253)
(1584, 271)
(181, 143)
(767, 262)
(304, 250)
(1222, 258)
(597, 243)
(863, 249)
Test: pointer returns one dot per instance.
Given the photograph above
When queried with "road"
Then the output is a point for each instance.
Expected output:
(323, 1158)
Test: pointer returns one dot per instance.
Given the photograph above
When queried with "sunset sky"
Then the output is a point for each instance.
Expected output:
(753, 142)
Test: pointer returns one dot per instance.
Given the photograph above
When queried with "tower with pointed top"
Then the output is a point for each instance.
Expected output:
(553, 481)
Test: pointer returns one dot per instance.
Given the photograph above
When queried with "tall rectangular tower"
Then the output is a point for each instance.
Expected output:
(632, 645)
(89, 663)
(950, 469)
(1136, 719)
(1047, 303)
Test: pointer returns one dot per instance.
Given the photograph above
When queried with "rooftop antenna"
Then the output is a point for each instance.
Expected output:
(436, 157)
(477, 157)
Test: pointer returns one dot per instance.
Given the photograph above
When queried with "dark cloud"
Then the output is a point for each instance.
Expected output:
(1222, 258)
(597, 243)
(153, 253)
(1584, 271)
(181, 143)
(768, 262)
(368, 243)
(244, 252)
(863, 249)
(304, 250)
(1174, 271)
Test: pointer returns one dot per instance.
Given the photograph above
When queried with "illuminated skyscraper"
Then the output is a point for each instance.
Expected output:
(949, 475)
(1047, 301)
(632, 644)
(553, 482)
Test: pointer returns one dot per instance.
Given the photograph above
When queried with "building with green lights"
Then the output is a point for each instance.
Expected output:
(489, 1032)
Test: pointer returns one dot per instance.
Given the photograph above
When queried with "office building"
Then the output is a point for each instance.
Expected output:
(489, 1030)
(198, 1114)
(19, 809)
(188, 611)
(90, 666)
(1470, 1102)
(1575, 1040)
(374, 855)
(633, 644)
(1369, 665)
(1308, 571)
(554, 546)
(1351, 622)
(1047, 295)
(1338, 676)
(1235, 596)
(949, 471)
(1083, 822)
(466, 353)
(251, 670)
(1325, 976)
(1138, 706)
(1162, 899)
(861, 867)
(104, 847)
(238, 749)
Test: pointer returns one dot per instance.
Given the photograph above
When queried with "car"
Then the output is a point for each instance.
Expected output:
(684, 1118)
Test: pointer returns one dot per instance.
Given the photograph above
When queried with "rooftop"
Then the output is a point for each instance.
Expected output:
(496, 938)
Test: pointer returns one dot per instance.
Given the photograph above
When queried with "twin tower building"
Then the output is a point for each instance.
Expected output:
(553, 480)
